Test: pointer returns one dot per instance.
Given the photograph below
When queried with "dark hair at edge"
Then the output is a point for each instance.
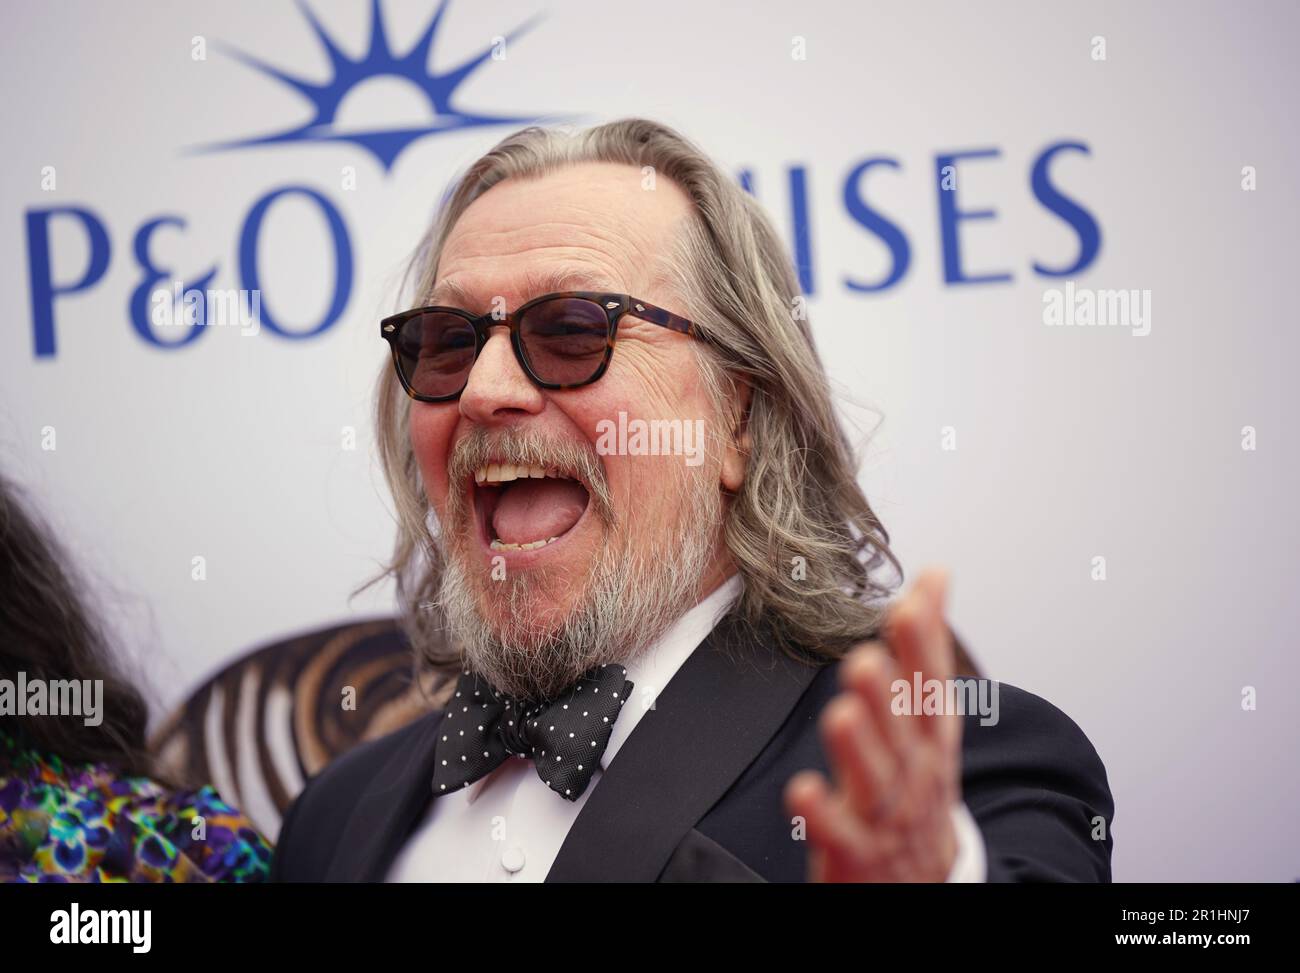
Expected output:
(48, 631)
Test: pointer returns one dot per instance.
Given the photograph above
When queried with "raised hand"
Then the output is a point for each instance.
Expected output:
(887, 815)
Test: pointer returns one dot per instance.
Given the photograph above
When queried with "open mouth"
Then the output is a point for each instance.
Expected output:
(522, 507)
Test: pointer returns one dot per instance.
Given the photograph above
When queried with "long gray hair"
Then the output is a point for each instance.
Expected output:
(800, 530)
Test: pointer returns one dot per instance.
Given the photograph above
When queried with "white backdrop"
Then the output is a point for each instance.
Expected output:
(1071, 443)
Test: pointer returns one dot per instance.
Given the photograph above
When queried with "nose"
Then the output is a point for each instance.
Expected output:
(498, 390)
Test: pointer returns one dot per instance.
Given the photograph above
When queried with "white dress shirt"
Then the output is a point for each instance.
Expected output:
(509, 826)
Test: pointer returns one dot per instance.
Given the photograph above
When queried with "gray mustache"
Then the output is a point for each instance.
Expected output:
(570, 458)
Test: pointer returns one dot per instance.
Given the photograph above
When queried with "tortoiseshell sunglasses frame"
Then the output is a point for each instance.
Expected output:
(615, 306)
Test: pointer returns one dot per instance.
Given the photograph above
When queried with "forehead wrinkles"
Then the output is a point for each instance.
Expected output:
(613, 233)
(596, 213)
(598, 209)
(475, 252)
(474, 292)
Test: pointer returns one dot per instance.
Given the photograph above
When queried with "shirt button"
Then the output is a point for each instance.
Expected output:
(513, 859)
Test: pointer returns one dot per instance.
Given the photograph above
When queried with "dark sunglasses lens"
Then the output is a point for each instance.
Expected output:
(564, 339)
(436, 352)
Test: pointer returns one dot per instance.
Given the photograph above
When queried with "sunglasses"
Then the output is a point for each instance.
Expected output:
(562, 341)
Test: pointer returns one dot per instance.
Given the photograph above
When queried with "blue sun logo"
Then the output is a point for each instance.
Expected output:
(379, 61)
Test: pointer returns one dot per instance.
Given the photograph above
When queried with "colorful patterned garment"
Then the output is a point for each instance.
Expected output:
(83, 823)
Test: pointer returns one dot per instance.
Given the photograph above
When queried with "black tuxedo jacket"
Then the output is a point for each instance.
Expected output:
(673, 808)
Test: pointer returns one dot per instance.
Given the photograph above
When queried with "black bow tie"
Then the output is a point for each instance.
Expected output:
(565, 738)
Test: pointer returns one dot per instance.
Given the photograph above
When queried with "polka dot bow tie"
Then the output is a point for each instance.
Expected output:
(565, 738)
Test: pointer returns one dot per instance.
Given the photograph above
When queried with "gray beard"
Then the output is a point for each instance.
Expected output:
(631, 597)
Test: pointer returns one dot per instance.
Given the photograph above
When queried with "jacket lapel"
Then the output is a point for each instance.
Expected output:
(708, 724)
(386, 813)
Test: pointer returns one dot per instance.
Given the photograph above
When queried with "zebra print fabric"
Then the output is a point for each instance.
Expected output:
(264, 725)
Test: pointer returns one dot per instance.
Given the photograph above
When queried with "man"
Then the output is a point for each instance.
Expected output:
(670, 663)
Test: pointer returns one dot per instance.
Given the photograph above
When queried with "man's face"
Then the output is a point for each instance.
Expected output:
(587, 227)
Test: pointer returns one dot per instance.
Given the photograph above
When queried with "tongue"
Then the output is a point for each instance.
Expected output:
(537, 510)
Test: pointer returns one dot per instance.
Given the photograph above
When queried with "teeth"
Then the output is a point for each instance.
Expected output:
(494, 473)
(499, 545)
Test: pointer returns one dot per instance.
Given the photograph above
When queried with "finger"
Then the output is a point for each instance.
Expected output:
(921, 641)
(941, 661)
(839, 847)
(916, 630)
(816, 864)
(804, 792)
(938, 655)
(870, 673)
(923, 788)
(865, 768)
(930, 842)
(903, 630)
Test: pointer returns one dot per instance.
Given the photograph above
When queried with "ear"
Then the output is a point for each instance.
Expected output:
(735, 454)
